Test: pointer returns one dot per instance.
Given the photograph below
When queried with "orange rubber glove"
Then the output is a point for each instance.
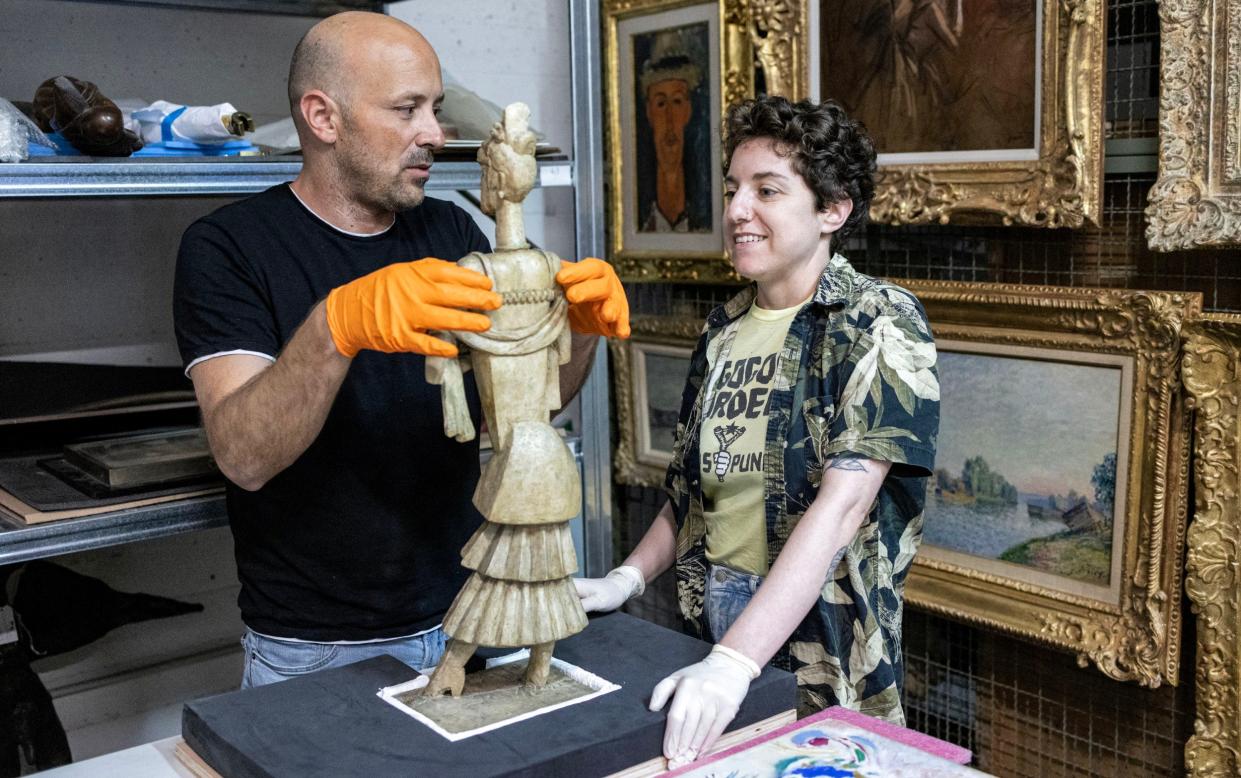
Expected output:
(597, 302)
(392, 309)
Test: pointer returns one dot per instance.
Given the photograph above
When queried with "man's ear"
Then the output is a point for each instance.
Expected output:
(321, 115)
(834, 216)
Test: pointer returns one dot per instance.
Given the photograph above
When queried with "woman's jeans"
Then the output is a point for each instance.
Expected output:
(268, 660)
(728, 592)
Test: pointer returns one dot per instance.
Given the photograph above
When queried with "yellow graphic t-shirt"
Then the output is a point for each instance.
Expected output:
(734, 435)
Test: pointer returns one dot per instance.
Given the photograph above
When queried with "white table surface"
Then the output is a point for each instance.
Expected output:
(149, 760)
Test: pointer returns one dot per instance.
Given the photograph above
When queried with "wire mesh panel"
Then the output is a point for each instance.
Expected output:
(1029, 711)
(1112, 255)
(1132, 69)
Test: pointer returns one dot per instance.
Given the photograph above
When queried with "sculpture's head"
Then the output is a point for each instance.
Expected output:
(507, 159)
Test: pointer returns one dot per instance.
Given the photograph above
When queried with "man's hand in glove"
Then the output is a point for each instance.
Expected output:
(707, 696)
(597, 303)
(611, 591)
(392, 308)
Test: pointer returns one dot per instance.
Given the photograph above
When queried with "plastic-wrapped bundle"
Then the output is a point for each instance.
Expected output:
(87, 119)
(17, 132)
(197, 123)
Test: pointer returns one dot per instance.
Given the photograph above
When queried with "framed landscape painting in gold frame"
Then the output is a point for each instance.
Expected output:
(980, 111)
(1196, 201)
(670, 69)
(648, 376)
(1058, 508)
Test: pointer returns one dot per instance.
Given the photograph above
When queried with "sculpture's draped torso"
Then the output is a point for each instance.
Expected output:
(520, 593)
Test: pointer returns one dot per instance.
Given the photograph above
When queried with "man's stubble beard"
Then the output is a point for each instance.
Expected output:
(365, 176)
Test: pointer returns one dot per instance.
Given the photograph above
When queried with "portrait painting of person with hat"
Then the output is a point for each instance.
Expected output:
(673, 130)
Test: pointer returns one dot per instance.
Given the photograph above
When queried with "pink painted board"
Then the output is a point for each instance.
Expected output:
(847, 732)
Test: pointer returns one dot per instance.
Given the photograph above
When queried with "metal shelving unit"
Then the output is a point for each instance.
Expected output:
(20, 543)
(589, 209)
(24, 543)
(66, 177)
(192, 177)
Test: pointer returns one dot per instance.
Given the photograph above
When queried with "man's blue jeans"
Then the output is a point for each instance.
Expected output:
(268, 660)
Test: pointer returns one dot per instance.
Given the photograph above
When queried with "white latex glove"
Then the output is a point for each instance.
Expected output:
(611, 591)
(708, 695)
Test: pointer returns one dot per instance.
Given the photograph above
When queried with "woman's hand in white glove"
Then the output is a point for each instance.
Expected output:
(707, 696)
(611, 591)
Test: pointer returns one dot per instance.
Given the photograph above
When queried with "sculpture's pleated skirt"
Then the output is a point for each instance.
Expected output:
(520, 593)
(491, 612)
(521, 552)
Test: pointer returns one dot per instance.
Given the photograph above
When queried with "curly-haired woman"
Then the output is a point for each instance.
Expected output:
(806, 434)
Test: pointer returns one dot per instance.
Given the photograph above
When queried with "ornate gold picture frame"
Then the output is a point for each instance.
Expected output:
(778, 34)
(1212, 364)
(671, 67)
(648, 375)
(915, 74)
(1098, 568)
(1196, 201)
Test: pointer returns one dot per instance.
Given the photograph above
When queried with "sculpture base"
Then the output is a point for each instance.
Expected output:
(496, 697)
(331, 723)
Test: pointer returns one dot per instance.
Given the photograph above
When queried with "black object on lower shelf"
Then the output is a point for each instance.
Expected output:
(37, 390)
(36, 481)
(332, 723)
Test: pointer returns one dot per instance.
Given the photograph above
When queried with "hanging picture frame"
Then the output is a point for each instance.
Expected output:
(649, 371)
(1058, 508)
(1211, 363)
(779, 36)
(1196, 200)
(671, 68)
(981, 112)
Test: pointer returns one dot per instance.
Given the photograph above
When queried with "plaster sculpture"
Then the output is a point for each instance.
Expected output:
(520, 593)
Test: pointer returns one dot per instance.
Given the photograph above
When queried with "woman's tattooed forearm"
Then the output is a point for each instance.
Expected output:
(847, 463)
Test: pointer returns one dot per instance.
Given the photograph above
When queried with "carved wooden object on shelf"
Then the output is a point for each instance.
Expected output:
(520, 593)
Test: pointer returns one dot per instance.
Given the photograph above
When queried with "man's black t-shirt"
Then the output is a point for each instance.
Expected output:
(358, 539)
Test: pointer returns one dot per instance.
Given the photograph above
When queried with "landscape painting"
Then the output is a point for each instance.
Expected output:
(664, 369)
(649, 371)
(1027, 465)
(1059, 510)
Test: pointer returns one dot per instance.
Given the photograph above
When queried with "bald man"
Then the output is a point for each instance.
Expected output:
(303, 315)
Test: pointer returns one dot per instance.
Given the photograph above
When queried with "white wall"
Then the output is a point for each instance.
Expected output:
(508, 51)
(151, 52)
(97, 273)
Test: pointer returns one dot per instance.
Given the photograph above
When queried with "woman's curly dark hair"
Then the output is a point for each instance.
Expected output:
(830, 151)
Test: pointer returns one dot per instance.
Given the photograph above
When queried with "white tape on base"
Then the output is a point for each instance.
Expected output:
(600, 686)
